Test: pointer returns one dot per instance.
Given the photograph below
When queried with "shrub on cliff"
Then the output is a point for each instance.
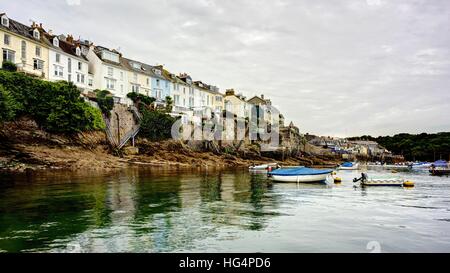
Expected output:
(105, 101)
(9, 66)
(141, 100)
(8, 105)
(156, 125)
(55, 106)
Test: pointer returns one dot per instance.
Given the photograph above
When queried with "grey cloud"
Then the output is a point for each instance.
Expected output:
(333, 67)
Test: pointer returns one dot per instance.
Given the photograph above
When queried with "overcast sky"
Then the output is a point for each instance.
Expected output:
(338, 68)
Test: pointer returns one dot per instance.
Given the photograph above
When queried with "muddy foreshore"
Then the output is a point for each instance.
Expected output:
(24, 147)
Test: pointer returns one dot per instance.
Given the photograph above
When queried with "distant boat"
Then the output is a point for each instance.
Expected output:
(349, 166)
(366, 181)
(439, 168)
(264, 167)
(299, 175)
(421, 165)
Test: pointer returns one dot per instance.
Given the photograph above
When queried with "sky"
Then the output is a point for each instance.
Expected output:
(335, 68)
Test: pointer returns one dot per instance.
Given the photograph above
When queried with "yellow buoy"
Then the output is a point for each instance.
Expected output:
(394, 171)
(337, 180)
(334, 173)
(408, 184)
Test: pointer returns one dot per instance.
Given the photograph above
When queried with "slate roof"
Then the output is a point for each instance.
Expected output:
(23, 30)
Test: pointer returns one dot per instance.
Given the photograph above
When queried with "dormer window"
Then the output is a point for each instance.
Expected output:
(136, 65)
(5, 21)
(157, 72)
(36, 34)
(56, 42)
(78, 51)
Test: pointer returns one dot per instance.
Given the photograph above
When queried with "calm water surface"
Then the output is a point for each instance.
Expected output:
(141, 210)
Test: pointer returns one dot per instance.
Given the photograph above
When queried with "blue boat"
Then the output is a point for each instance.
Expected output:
(300, 175)
(349, 166)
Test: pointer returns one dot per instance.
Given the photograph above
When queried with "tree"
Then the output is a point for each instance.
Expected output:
(8, 106)
(105, 101)
(156, 125)
(169, 104)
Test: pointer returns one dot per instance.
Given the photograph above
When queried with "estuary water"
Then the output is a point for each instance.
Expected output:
(145, 210)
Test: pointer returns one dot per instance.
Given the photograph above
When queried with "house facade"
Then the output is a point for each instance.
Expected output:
(24, 46)
(66, 63)
(236, 104)
(108, 72)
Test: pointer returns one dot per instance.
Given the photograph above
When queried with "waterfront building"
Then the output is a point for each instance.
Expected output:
(24, 46)
(108, 71)
(262, 107)
(66, 63)
(236, 104)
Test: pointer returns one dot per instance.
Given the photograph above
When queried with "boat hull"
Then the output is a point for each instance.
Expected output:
(313, 178)
(352, 168)
(384, 182)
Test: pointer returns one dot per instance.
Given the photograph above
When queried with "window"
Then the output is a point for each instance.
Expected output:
(58, 71)
(111, 71)
(184, 90)
(90, 82)
(24, 50)
(38, 51)
(148, 81)
(6, 39)
(176, 99)
(80, 78)
(56, 42)
(58, 57)
(38, 64)
(9, 55)
(135, 88)
(78, 51)
(69, 78)
(110, 84)
(80, 66)
(184, 102)
(121, 88)
(5, 21)
(69, 65)
(108, 55)
(121, 75)
(167, 84)
(135, 77)
(157, 83)
(36, 34)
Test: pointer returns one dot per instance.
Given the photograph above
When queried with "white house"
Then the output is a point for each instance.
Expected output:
(108, 73)
(66, 62)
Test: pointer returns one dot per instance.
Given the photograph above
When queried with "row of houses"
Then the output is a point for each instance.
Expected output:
(40, 52)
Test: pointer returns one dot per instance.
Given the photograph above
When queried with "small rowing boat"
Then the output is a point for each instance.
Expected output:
(299, 175)
(349, 166)
(399, 182)
(264, 167)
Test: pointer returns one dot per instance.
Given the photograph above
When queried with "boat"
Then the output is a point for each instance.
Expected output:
(439, 168)
(398, 182)
(420, 165)
(299, 175)
(264, 167)
(349, 166)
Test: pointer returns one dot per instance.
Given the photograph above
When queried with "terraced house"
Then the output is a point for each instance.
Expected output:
(109, 72)
(24, 46)
(66, 61)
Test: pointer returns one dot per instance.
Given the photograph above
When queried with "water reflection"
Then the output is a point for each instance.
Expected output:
(134, 210)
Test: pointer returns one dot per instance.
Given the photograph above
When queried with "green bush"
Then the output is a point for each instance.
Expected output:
(156, 125)
(55, 106)
(136, 98)
(169, 104)
(8, 105)
(9, 66)
(105, 101)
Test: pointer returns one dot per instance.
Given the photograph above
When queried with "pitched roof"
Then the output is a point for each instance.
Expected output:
(23, 30)
(64, 46)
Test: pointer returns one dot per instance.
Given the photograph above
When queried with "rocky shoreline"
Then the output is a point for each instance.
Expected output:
(24, 147)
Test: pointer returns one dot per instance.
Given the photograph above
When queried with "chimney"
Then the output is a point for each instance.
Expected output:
(229, 92)
(262, 96)
(69, 38)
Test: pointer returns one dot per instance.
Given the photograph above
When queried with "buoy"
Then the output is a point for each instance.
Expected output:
(337, 180)
(334, 173)
(394, 171)
(408, 184)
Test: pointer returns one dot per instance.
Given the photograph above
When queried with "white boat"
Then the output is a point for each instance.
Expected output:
(349, 166)
(399, 182)
(263, 167)
(299, 175)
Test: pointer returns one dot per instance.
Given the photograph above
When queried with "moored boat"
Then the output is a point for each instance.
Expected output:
(399, 182)
(440, 168)
(349, 166)
(299, 175)
(264, 167)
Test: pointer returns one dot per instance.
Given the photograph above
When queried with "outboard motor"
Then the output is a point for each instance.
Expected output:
(362, 178)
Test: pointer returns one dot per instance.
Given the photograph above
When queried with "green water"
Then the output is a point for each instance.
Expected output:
(141, 210)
